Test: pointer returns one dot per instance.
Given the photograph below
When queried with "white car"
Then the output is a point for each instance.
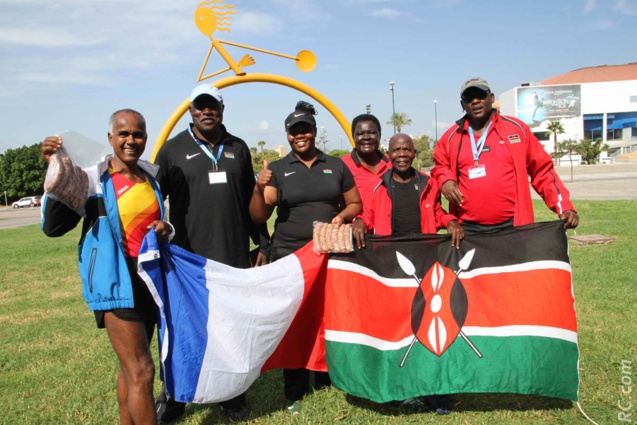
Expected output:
(29, 201)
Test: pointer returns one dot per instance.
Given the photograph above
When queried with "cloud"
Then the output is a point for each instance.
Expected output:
(68, 42)
(298, 9)
(44, 37)
(64, 77)
(625, 7)
(442, 125)
(386, 13)
(264, 125)
(589, 6)
(257, 23)
(602, 24)
(370, 2)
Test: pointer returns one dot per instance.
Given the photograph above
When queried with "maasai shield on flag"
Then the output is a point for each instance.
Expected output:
(519, 313)
(439, 309)
(219, 325)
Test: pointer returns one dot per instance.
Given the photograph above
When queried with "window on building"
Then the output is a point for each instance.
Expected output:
(633, 134)
(593, 124)
(543, 136)
(614, 134)
(593, 134)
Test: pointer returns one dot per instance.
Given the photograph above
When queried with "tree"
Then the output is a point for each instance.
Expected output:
(322, 141)
(339, 153)
(556, 128)
(570, 147)
(261, 144)
(591, 149)
(253, 151)
(424, 153)
(22, 171)
(268, 155)
(399, 120)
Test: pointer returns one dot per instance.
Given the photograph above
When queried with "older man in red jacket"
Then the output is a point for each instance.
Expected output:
(403, 201)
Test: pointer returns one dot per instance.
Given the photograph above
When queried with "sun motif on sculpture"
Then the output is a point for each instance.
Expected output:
(213, 15)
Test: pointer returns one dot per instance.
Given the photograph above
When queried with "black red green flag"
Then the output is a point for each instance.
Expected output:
(413, 316)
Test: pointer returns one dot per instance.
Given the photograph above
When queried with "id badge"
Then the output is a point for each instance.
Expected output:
(217, 177)
(477, 171)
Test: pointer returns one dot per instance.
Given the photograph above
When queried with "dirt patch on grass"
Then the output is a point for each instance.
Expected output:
(592, 239)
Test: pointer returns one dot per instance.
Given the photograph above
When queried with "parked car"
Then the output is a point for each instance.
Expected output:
(28, 201)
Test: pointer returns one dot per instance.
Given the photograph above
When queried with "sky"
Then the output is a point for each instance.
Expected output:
(68, 64)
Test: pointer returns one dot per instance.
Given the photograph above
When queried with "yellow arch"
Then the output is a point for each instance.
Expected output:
(254, 78)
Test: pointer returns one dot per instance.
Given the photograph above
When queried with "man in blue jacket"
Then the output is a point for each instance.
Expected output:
(123, 203)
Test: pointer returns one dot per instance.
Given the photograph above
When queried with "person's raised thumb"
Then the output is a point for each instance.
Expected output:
(265, 164)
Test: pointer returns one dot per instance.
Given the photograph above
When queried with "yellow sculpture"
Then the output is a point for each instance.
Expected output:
(212, 16)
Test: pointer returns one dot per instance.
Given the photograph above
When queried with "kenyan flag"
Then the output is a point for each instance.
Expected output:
(407, 317)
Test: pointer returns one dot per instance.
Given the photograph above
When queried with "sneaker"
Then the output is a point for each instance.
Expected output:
(168, 410)
(236, 414)
(441, 404)
(293, 407)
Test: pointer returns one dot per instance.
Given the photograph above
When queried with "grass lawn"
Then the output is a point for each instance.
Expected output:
(56, 367)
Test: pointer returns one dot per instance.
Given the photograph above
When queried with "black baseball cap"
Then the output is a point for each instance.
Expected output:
(303, 112)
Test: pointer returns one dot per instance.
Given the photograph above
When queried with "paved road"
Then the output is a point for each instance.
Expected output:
(600, 182)
(590, 182)
(18, 217)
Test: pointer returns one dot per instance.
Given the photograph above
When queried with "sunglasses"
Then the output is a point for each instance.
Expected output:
(471, 94)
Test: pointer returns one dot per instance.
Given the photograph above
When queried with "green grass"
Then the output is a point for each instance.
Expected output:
(56, 367)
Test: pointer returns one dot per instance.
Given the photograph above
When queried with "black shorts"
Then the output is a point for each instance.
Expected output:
(471, 227)
(144, 310)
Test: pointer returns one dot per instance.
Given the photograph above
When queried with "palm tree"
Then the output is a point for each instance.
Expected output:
(556, 128)
(399, 120)
(261, 144)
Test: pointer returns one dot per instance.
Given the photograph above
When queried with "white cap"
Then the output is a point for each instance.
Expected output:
(208, 89)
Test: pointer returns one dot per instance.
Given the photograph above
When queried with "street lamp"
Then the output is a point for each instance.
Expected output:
(393, 106)
(436, 118)
(322, 138)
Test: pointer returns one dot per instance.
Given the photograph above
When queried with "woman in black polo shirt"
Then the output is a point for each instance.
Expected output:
(306, 186)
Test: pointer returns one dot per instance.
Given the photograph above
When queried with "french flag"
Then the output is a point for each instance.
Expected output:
(221, 327)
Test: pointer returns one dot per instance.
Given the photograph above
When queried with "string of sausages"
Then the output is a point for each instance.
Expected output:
(329, 237)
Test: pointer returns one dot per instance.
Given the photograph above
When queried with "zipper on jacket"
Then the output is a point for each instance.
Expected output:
(91, 268)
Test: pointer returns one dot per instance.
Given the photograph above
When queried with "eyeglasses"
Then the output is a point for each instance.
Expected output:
(475, 94)
(366, 133)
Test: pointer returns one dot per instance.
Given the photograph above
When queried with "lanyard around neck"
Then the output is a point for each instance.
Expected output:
(476, 148)
(207, 151)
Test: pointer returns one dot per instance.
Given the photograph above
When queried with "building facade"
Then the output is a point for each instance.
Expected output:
(591, 103)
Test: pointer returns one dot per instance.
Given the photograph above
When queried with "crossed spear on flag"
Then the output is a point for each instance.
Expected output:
(436, 339)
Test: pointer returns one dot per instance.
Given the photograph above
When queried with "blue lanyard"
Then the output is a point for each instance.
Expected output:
(477, 148)
(215, 161)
